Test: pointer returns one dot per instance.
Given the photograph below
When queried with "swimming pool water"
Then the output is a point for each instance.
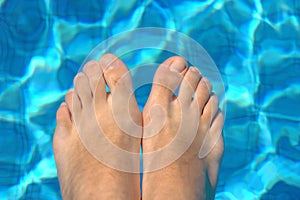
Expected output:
(255, 44)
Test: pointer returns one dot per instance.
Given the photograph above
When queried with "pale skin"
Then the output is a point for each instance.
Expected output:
(82, 176)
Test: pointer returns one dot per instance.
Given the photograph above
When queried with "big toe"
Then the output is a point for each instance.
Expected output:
(121, 97)
(116, 73)
(167, 78)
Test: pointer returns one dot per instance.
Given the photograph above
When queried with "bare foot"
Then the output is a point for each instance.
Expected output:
(81, 174)
(182, 122)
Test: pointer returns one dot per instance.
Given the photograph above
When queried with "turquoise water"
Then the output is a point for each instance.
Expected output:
(255, 44)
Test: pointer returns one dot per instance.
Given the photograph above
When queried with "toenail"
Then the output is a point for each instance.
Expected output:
(194, 69)
(178, 66)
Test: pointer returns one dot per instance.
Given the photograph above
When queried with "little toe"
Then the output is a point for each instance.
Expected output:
(83, 90)
(62, 132)
(212, 147)
(216, 128)
(189, 84)
(167, 78)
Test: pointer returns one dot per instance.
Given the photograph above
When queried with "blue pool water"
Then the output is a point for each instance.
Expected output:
(255, 44)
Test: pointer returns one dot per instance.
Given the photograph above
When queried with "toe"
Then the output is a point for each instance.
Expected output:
(94, 73)
(202, 93)
(115, 72)
(69, 99)
(189, 85)
(210, 110)
(73, 102)
(217, 141)
(61, 136)
(213, 146)
(82, 88)
(167, 78)
(63, 116)
(121, 99)
(118, 79)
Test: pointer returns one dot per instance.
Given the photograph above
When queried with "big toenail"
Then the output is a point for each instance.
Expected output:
(177, 66)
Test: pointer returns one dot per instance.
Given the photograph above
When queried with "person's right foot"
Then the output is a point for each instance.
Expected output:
(188, 176)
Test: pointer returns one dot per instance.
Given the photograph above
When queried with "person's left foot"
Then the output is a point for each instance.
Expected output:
(80, 174)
